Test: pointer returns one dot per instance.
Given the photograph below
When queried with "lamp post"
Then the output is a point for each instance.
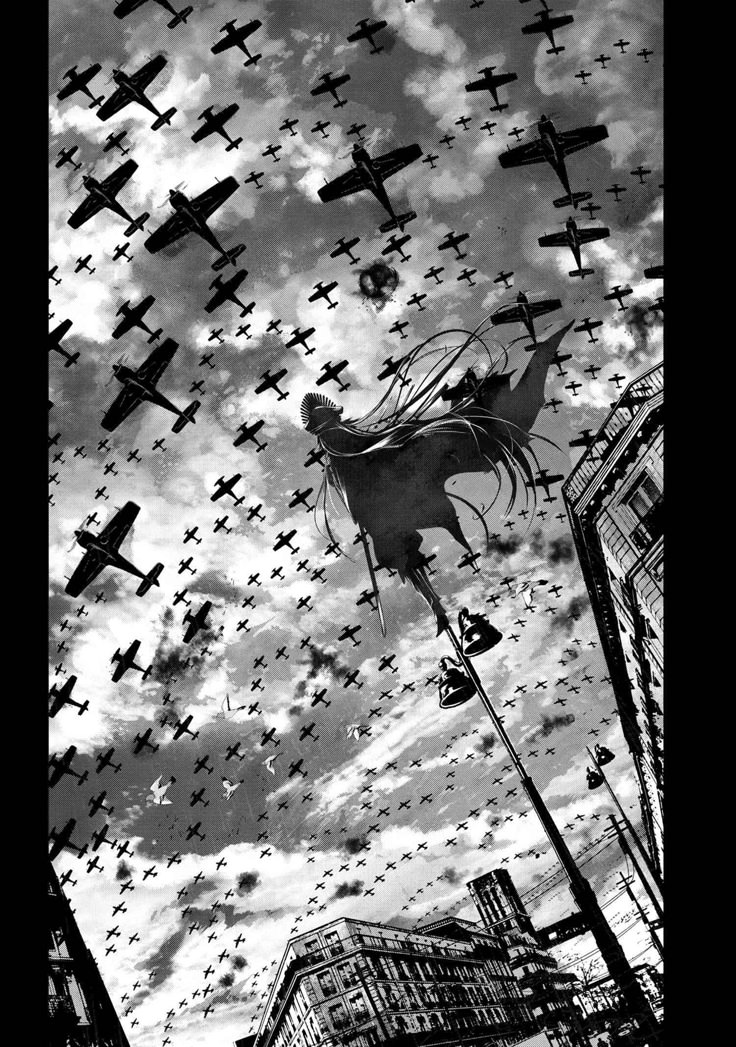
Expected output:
(610, 949)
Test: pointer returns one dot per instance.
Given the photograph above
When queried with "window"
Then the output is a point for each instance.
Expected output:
(326, 983)
(358, 1006)
(645, 500)
(347, 975)
(338, 1016)
(333, 943)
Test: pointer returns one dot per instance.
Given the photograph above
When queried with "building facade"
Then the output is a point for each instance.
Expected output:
(81, 1013)
(614, 499)
(602, 998)
(549, 992)
(359, 983)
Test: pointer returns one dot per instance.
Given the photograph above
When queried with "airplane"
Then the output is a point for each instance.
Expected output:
(491, 82)
(139, 387)
(127, 661)
(452, 239)
(300, 498)
(190, 535)
(319, 576)
(387, 662)
(52, 274)
(271, 151)
(654, 272)
(215, 122)
(588, 326)
(468, 274)
(552, 147)
(369, 597)
(182, 727)
(273, 325)
(355, 129)
(126, 7)
(547, 23)
(434, 273)
(640, 172)
(350, 678)
(105, 760)
(616, 189)
(225, 292)
(65, 157)
(430, 159)
(463, 122)
(583, 76)
(62, 696)
(143, 740)
(468, 560)
(299, 337)
(308, 732)
(398, 328)
(543, 480)
(97, 803)
(345, 247)
(104, 195)
(235, 36)
(248, 432)
(370, 173)
(196, 621)
(416, 299)
(602, 60)
(55, 337)
(585, 439)
(179, 596)
(332, 373)
(215, 334)
(226, 487)
(121, 251)
(101, 550)
(558, 360)
(296, 768)
(447, 140)
(83, 263)
(193, 830)
(114, 141)
(62, 765)
(323, 291)
(131, 88)
(190, 216)
(574, 238)
(283, 540)
(348, 633)
(197, 798)
(366, 31)
(80, 82)
(270, 381)
(524, 311)
(268, 736)
(644, 53)
(289, 125)
(617, 294)
(61, 838)
(220, 525)
(321, 127)
(392, 244)
(330, 85)
(390, 367)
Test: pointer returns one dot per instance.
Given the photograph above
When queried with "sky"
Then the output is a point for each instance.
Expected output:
(356, 836)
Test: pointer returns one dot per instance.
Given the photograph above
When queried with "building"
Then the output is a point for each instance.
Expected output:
(550, 992)
(359, 983)
(601, 999)
(615, 503)
(81, 1013)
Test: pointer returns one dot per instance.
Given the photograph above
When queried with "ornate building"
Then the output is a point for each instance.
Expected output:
(81, 1013)
(359, 983)
(615, 503)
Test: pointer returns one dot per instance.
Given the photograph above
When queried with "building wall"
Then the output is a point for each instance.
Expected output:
(614, 498)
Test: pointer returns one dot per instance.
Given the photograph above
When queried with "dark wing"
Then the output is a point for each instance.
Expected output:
(124, 403)
(507, 315)
(208, 127)
(173, 229)
(119, 526)
(148, 73)
(529, 153)
(209, 201)
(390, 163)
(86, 571)
(553, 240)
(115, 181)
(88, 208)
(580, 137)
(152, 368)
(343, 185)
(126, 7)
(585, 236)
(547, 305)
(117, 101)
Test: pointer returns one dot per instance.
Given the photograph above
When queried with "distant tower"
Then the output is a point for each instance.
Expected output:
(498, 903)
(81, 1013)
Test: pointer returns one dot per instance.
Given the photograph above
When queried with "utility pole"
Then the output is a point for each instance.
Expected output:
(610, 948)
(626, 848)
(647, 922)
(646, 858)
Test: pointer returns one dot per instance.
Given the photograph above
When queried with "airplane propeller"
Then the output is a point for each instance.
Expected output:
(119, 363)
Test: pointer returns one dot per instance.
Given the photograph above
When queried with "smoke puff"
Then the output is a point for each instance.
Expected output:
(504, 546)
(348, 890)
(486, 743)
(355, 844)
(247, 882)
(123, 871)
(561, 550)
(550, 724)
(450, 875)
(226, 980)
(377, 283)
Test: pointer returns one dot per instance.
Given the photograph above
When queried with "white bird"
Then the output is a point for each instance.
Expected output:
(230, 787)
(158, 792)
(269, 763)
(353, 730)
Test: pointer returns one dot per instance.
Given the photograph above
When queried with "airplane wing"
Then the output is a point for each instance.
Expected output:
(209, 201)
(507, 315)
(343, 185)
(148, 73)
(120, 524)
(553, 240)
(390, 163)
(117, 101)
(85, 572)
(580, 137)
(126, 7)
(152, 368)
(173, 229)
(115, 181)
(585, 236)
(124, 403)
(207, 128)
(529, 153)
(547, 305)
(88, 208)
